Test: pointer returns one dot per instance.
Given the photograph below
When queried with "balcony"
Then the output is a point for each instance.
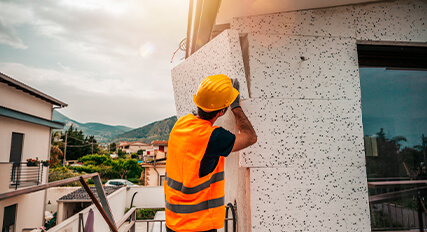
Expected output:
(22, 175)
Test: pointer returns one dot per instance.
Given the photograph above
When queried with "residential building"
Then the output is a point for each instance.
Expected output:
(154, 164)
(160, 145)
(133, 147)
(301, 66)
(25, 133)
(74, 202)
(154, 173)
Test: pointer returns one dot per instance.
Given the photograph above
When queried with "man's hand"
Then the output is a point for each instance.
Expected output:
(246, 135)
(236, 85)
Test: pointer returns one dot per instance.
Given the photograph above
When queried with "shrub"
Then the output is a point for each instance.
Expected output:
(60, 173)
(94, 159)
(142, 214)
(134, 156)
(86, 168)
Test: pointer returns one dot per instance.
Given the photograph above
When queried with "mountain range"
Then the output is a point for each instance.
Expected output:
(158, 130)
(103, 133)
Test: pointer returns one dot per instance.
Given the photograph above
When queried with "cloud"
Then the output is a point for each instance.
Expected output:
(100, 54)
(8, 36)
(110, 101)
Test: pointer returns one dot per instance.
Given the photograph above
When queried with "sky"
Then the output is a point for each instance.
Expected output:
(109, 60)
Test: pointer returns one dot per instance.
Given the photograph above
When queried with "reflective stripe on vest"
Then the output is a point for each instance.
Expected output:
(186, 190)
(209, 204)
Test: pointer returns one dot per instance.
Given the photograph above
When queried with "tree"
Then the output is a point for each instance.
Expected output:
(121, 153)
(113, 147)
(77, 144)
(133, 168)
(119, 167)
(56, 155)
(392, 160)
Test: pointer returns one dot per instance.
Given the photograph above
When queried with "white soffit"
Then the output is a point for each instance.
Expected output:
(231, 8)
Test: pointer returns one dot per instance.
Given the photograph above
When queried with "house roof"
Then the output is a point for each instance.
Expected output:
(159, 143)
(135, 143)
(123, 144)
(145, 164)
(82, 196)
(139, 142)
(27, 89)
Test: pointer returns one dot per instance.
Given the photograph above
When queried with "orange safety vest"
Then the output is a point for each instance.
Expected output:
(192, 203)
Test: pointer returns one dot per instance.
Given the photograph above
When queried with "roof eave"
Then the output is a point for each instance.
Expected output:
(201, 19)
(25, 88)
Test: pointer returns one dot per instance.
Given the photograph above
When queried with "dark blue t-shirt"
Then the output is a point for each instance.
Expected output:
(220, 143)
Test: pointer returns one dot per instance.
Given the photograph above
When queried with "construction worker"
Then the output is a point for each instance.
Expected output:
(194, 185)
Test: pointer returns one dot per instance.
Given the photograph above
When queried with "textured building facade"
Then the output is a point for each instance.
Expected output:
(299, 76)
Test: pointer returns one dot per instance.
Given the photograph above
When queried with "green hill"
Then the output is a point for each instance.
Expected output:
(158, 130)
(103, 133)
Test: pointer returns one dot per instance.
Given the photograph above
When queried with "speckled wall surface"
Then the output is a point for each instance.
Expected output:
(302, 133)
(283, 66)
(309, 199)
(392, 21)
(307, 170)
(308, 167)
(387, 20)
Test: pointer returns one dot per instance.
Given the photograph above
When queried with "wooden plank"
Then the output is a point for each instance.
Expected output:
(392, 184)
(102, 197)
(98, 205)
(36, 188)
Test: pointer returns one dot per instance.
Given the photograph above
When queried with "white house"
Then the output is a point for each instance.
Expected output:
(160, 145)
(133, 147)
(302, 72)
(25, 131)
(154, 173)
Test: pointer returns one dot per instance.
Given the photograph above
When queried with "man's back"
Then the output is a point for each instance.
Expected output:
(193, 203)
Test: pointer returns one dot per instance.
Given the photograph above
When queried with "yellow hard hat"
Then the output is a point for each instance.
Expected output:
(214, 93)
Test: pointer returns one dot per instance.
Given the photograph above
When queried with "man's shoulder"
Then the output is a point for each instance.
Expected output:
(221, 135)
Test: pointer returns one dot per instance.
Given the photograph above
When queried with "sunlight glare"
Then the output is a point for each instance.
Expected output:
(146, 50)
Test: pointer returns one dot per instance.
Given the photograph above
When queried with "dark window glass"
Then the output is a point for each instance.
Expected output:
(9, 219)
(394, 112)
(394, 115)
(16, 147)
(162, 180)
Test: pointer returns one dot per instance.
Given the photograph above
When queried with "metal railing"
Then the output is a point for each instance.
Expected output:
(24, 175)
(398, 205)
(389, 216)
(159, 225)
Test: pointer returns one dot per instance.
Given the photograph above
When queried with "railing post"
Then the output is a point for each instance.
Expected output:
(420, 212)
(38, 173)
(233, 212)
(133, 218)
(81, 223)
